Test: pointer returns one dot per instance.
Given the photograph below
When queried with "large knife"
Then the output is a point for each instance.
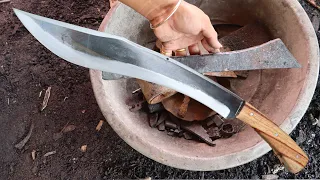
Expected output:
(270, 55)
(105, 52)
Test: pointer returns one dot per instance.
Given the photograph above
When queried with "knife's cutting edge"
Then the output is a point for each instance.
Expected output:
(93, 49)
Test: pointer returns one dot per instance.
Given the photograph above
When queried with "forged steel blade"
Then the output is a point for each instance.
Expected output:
(105, 52)
(271, 55)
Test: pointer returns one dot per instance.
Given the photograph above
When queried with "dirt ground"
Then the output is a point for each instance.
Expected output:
(27, 68)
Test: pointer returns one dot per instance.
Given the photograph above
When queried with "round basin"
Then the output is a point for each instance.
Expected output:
(283, 94)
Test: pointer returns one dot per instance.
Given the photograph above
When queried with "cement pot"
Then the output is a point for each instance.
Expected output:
(283, 95)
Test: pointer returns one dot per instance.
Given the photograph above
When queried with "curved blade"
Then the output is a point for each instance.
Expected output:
(101, 51)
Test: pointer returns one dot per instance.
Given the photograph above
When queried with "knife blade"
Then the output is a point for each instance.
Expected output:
(270, 55)
(114, 54)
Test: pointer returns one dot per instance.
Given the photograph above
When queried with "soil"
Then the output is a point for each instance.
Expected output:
(27, 68)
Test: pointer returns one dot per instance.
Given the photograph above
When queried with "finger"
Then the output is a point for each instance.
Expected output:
(158, 44)
(206, 45)
(194, 49)
(181, 52)
(182, 42)
(166, 52)
(211, 36)
(202, 49)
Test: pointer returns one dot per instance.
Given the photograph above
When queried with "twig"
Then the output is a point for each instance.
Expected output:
(21, 144)
(33, 154)
(98, 128)
(4, 1)
(314, 4)
(49, 153)
(135, 91)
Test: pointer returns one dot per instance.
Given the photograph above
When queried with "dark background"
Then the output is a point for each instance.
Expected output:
(26, 68)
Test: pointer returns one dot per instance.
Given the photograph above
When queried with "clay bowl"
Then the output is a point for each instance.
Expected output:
(283, 95)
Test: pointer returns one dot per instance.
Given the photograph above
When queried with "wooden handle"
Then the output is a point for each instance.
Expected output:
(289, 153)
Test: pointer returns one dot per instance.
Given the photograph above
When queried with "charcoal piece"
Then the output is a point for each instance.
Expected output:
(134, 99)
(174, 119)
(177, 131)
(181, 133)
(209, 122)
(227, 130)
(171, 133)
(187, 136)
(155, 107)
(169, 124)
(161, 127)
(214, 132)
(223, 81)
(163, 116)
(218, 120)
(136, 107)
(153, 118)
(197, 130)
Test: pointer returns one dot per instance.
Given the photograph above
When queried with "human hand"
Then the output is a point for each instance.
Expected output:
(188, 26)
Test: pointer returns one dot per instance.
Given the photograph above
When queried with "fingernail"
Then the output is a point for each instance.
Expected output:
(216, 50)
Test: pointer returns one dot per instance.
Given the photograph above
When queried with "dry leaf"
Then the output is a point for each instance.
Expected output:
(154, 93)
(195, 110)
(184, 106)
(68, 128)
(83, 148)
(46, 99)
(98, 128)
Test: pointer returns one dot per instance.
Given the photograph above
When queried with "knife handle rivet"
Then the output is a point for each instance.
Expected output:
(297, 156)
(276, 134)
(251, 114)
